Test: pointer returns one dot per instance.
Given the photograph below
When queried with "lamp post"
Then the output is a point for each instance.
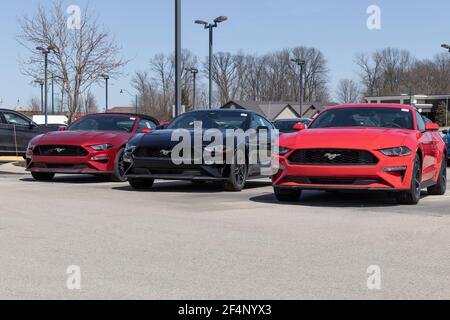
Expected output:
(194, 72)
(45, 52)
(177, 58)
(106, 77)
(447, 47)
(210, 27)
(122, 91)
(301, 63)
(41, 84)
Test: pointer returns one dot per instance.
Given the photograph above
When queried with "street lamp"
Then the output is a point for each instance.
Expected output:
(301, 63)
(446, 46)
(41, 83)
(106, 77)
(210, 27)
(194, 72)
(45, 52)
(122, 91)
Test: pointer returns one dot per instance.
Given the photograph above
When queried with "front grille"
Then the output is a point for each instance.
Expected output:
(60, 151)
(332, 181)
(333, 157)
(164, 153)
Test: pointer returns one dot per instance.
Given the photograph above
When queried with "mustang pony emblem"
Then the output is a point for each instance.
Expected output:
(59, 150)
(166, 152)
(332, 156)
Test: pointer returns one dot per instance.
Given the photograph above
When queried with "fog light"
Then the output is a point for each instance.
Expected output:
(394, 169)
(100, 158)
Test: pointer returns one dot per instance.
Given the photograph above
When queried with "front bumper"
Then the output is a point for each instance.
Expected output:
(96, 162)
(389, 174)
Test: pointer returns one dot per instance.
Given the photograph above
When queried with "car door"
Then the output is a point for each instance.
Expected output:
(263, 145)
(428, 145)
(23, 130)
(6, 137)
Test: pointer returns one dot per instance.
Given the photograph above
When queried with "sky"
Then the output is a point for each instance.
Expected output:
(146, 27)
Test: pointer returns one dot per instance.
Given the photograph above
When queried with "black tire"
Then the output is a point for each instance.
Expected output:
(412, 196)
(141, 184)
(120, 168)
(286, 195)
(441, 187)
(238, 174)
(42, 176)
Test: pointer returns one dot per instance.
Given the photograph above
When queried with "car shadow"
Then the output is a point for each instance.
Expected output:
(337, 199)
(73, 179)
(189, 187)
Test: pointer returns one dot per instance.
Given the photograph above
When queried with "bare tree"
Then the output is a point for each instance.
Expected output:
(348, 91)
(34, 105)
(90, 104)
(80, 55)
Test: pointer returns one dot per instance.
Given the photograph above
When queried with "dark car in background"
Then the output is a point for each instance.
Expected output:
(150, 155)
(16, 130)
(288, 126)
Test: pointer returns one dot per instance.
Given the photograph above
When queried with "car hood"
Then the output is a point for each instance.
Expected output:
(82, 137)
(346, 138)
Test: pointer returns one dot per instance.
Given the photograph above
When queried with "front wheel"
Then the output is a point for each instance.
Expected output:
(412, 196)
(238, 175)
(42, 176)
(287, 195)
(141, 184)
(441, 187)
(120, 168)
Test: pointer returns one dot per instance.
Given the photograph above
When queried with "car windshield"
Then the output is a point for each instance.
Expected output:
(394, 118)
(104, 123)
(211, 120)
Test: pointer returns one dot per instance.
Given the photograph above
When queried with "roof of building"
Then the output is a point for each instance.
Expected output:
(122, 109)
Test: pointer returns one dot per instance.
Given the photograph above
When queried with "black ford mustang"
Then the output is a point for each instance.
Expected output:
(151, 155)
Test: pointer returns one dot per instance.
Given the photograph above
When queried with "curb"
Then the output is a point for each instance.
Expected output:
(12, 168)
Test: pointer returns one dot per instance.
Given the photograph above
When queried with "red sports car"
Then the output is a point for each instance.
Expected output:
(363, 147)
(93, 145)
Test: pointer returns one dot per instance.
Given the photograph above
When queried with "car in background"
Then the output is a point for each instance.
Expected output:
(288, 126)
(92, 145)
(150, 155)
(364, 147)
(16, 130)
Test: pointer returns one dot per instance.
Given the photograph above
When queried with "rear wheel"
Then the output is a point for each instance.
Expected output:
(412, 196)
(42, 176)
(141, 184)
(287, 195)
(441, 187)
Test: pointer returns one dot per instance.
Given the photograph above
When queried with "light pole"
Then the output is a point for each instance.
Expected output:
(177, 57)
(210, 27)
(447, 47)
(122, 91)
(194, 72)
(45, 52)
(41, 83)
(301, 63)
(106, 77)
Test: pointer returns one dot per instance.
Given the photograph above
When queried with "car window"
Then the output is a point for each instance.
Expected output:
(15, 119)
(146, 124)
(420, 122)
(104, 123)
(258, 121)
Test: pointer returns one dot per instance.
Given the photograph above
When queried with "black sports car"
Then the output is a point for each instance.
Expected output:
(154, 155)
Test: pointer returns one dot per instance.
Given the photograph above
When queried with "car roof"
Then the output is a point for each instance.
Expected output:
(122, 114)
(373, 105)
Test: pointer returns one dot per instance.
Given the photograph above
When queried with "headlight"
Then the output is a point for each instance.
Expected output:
(102, 147)
(396, 152)
(283, 151)
(130, 148)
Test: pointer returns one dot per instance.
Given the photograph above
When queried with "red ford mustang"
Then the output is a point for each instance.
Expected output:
(93, 145)
(363, 147)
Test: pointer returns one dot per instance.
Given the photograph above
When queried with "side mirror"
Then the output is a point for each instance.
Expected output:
(431, 127)
(445, 131)
(62, 128)
(161, 127)
(299, 126)
(32, 125)
(146, 130)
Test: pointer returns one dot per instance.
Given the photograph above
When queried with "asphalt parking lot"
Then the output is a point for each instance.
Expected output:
(184, 241)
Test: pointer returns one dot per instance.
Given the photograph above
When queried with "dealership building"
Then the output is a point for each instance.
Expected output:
(426, 104)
